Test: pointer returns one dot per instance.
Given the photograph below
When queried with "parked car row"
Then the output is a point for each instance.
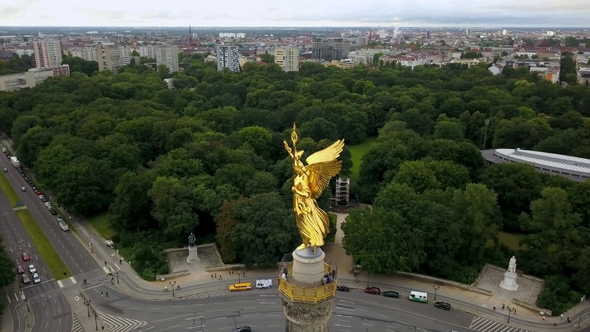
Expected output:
(414, 296)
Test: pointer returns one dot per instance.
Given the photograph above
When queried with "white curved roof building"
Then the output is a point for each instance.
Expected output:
(574, 168)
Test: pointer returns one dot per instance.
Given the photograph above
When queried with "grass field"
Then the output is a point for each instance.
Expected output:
(57, 267)
(101, 223)
(8, 190)
(358, 151)
(511, 240)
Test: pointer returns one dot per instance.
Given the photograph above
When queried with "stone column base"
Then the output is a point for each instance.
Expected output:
(307, 317)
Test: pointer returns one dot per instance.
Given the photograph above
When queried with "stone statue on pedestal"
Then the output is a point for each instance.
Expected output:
(509, 282)
(192, 250)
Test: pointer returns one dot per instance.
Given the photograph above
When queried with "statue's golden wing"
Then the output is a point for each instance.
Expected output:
(322, 166)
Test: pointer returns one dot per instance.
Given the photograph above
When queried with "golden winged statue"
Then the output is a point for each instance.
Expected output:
(308, 183)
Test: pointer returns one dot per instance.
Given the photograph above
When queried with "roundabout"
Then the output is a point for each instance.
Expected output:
(262, 310)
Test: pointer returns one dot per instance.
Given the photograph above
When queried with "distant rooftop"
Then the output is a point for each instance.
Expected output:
(574, 168)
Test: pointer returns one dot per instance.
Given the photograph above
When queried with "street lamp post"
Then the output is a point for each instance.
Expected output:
(485, 135)
(88, 306)
(27, 319)
(368, 279)
(436, 287)
(239, 277)
(96, 320)
(28, 307)
(117, 277)
(509, 312)
(172, 284)
(470, 276)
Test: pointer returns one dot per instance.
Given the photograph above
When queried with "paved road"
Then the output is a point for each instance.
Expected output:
(74, 254)
(51, 310)
(262, 310)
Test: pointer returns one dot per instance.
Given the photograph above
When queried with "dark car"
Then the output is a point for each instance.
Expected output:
(443, 305)
(343, 289)
(26, 257)
(53, 212)
(243, 329)
(26, 279)
(391, 294)
(373, 290)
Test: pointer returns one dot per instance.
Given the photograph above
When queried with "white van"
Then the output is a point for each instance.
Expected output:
(418, 296)
(64, 227)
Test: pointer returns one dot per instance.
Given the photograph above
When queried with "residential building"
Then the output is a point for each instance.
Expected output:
(23, 51)
(330, 49)
(125, 54)
(287, 57)
(228, 57)
(361, 57)
(86, 53)
(6, 56)
(109, 57)
(32, 77)
(148, 51)
(167, 55)
(47, 53)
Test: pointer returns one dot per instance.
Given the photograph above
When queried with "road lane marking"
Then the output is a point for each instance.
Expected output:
(149, 328)
(73, 280)
(8, 297)
(60, 284)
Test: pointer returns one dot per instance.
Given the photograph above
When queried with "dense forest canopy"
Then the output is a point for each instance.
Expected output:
(207, 157)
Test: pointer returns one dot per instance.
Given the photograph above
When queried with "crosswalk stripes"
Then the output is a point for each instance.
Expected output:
(120, 324)
(219, 292)
(481, 324)
(77, 327)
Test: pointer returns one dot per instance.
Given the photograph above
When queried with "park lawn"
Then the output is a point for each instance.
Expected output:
(57, 267)
(511, 240)
(8, 190)
(101, 223)
(357, 152)
(331, 237)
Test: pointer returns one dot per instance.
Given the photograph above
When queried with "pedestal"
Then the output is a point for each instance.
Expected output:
(509, 281)
(192, 255)
(307, 302)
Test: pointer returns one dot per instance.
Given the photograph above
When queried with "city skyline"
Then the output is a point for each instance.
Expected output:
(303, 13)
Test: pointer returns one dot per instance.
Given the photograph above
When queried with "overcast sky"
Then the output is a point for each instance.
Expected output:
(296, 13)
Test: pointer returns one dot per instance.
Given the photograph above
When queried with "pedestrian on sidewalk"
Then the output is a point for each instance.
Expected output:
(494, 307)
(178, 287)
(211, 276)
(503, 305)
(543, 318)
(107, 294)
(216, 275)
(514, 311)
(561, 316)
(101, 293)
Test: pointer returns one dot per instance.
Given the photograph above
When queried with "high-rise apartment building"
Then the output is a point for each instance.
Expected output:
(167, 55)
(108, 57)
(47, 53)
(287, 57)
(228, 57)
(148, 51)
(330, 49)
(86, 53)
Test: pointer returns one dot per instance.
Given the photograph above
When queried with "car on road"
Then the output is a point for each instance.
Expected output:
(109, 243)
(47, 204)
(343, 289)
(373, 290)
(38, 193)
(26, 257)
(391, 294)
(59, 219)
(443, 305)
(20, 269)
(5, 170)
(32, 268)
(26, 279)
(53, 212)
(243, 329)
(23, 189)
(36, 278)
